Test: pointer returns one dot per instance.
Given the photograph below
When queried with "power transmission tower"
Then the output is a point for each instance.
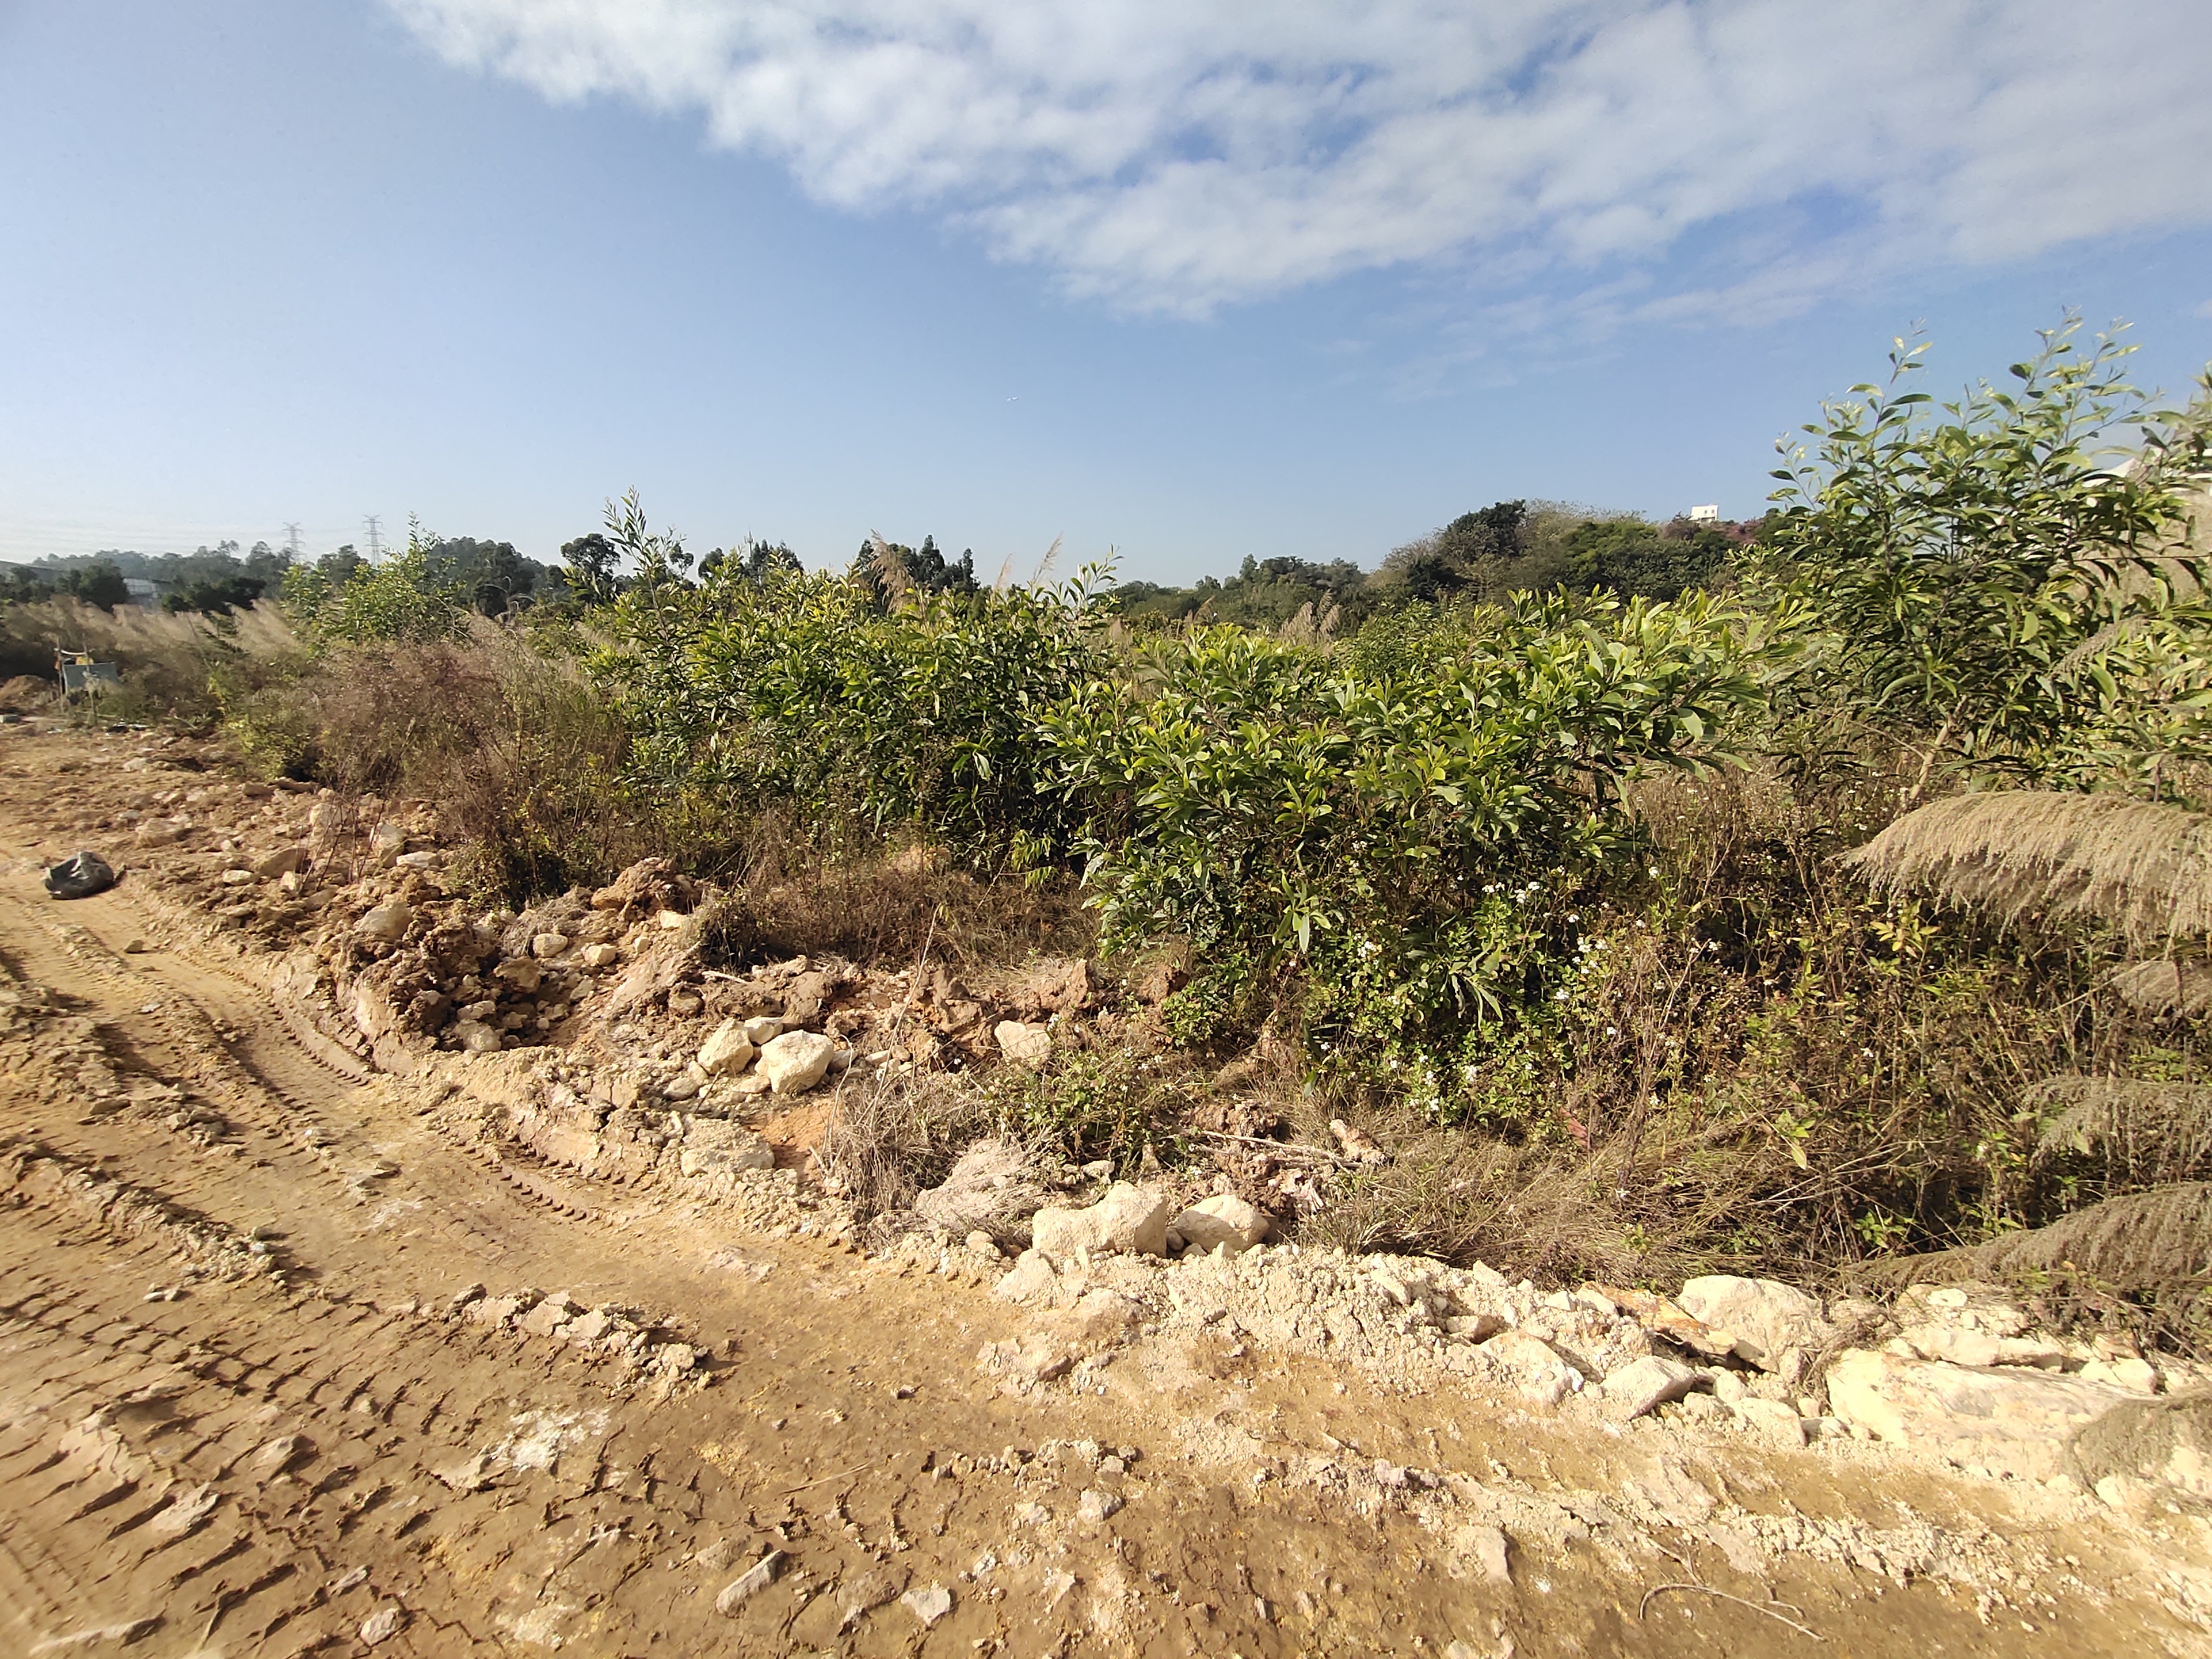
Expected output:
(293, 545)
(376, 537)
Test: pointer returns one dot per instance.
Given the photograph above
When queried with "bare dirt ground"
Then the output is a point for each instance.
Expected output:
(241, 1413)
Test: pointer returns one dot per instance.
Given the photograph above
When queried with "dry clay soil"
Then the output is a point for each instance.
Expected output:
(306, 1450)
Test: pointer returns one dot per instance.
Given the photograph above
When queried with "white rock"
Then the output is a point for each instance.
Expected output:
(237, 878)
(475, 1037)
(2011, 1420)
(1130, 1220)
(1540, 1370)
(729, 1050)
(928, 1605)
(755, 1579)
(1488, 1546)
(385, 842)
(762, 1030)
(601, 955)
(796, 1061)
(712, 1145)
(682, 1086)
(1773, 1420)
(1097, 1504)
(1776, 1325)
(2136, 1375)
(1643, 1384)
(1031, 1279)
(1224, 1219)
(543, 946)
(381, 1626)
(523, 973)
(1956, 1343)
(284, 861)
(1023, 1044)
(388, 921)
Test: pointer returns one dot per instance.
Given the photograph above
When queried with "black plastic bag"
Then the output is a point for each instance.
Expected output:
(79, 876)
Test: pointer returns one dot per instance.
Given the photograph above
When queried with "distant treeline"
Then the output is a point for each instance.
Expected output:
(1507, 547)
(491, 575)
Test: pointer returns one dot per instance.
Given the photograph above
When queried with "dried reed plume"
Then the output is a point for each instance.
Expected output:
(1045, 564)
(890, 569)
(2155, 1132)
(2141, 1243)
(2146, 868)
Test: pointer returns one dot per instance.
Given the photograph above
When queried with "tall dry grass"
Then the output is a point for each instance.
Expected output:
(169, 661)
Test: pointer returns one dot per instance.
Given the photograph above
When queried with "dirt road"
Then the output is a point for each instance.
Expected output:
(277, 1376)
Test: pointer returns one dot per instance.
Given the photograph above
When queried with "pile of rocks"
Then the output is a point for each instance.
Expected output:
(1961, 1375)
(639, 1347)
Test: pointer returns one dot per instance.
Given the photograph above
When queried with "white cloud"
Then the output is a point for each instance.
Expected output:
(1177, 155)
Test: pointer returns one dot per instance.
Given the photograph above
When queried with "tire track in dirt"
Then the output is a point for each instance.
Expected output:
(298, 1120)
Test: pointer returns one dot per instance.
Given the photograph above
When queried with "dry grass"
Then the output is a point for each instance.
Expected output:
(516, 753)
(892, 908)
(1467, 1197)
(168, 659)
(2146, 869)
(901, 1131)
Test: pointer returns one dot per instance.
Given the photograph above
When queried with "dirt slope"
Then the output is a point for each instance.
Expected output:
(249, 1405)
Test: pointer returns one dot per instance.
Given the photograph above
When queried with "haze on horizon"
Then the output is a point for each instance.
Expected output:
(1190, 281)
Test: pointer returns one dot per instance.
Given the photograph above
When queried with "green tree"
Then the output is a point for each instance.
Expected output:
(593, 564)
(215, 598)
(99, 583)
(1386, 838)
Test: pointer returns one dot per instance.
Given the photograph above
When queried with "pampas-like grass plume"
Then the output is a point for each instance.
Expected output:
(2157, 1132)
(2142, 1243)
(890, 569)
(2143, 867)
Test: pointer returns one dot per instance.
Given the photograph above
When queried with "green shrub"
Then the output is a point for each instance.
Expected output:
(398, 601)
(864, 716)
(1408, 845)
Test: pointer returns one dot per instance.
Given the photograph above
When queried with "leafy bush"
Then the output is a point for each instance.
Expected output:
(1407, 844)
(395, 602)
(1975, 580)
(862, 716)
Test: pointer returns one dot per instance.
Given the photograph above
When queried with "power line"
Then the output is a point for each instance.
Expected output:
(375, 536)
(292, 543)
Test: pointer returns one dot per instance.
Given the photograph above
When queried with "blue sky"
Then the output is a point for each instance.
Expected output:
(1192, 281)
